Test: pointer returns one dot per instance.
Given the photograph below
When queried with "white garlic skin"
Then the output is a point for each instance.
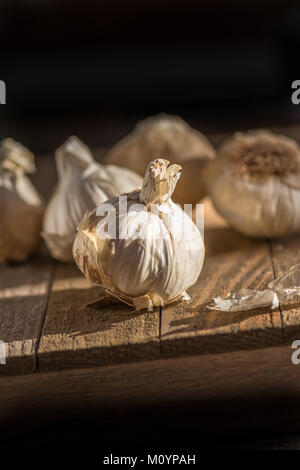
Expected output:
(83, 184)
(266, 210)
(21, 207)
(169, 137)
(262, 209)
(140, 271)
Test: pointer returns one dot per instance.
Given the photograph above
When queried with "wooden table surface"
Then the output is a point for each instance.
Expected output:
(226, 370)
(47, 327)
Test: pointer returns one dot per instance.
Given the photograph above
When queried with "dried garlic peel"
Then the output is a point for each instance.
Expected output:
(285, 288)
(161, 254)
(83, 184)
(255, 184)
(21, 207)
(172, 138)
(246, 299)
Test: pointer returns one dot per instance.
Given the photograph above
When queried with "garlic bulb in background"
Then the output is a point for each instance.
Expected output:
(255, 184)
(168, 137)
(82, 185)
(21, 207)
(157, 251)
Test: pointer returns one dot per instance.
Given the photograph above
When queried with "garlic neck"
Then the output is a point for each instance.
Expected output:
(16, 158)
(159, 182)
(72, 155)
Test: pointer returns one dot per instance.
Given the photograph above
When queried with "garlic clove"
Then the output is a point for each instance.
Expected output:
(168, 137)
(144, 268)
(21, 206)
(82, 185)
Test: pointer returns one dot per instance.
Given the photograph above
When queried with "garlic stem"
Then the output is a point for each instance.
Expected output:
(159, 182)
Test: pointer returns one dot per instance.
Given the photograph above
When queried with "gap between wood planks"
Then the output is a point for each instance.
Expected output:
(285, 254)
(232, 262)
(274, 276)
(37, 345)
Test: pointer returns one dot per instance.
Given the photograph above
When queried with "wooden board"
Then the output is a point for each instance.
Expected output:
(24, 291)
(184, 400)
(47, 326)
(232, 262)
(77, 336)
(285, 254)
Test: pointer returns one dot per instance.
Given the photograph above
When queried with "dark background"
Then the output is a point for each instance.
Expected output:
(94, 68)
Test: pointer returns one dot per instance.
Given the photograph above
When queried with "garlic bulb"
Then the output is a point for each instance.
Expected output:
(82, 185)
(156, 251)
(168, 137)
(255, 184)
(21, 207)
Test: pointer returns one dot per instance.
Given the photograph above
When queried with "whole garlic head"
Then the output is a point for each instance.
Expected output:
(255, 184)
(82, 185)
(172, 138)
(21, 207)
(156, 252)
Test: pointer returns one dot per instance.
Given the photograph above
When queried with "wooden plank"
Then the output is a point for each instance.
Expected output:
(286, 253)
(207, 395)
(77, 336)
(24, 290)
(232, 262)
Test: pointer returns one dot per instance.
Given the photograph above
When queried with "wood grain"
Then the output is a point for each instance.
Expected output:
(210, 394)
(232, 262)
(78, 336)
(285, 254)
(24, 290)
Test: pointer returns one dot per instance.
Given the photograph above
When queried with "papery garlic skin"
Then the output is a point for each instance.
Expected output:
(246, 299)
(169, 137)
(160, 257)
(259, 197)
(83, 184)
(21, 207)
